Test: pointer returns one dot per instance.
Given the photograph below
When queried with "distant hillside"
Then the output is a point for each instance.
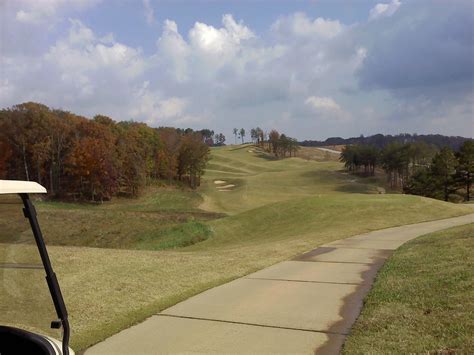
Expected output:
(380, 140)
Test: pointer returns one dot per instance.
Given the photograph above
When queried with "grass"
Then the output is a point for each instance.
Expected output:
(277, 209)
(153, 219)
(263, 180)
(422, 300)
(178, 236)
(313, 153)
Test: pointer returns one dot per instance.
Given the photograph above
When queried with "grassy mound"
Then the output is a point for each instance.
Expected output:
(320, 218)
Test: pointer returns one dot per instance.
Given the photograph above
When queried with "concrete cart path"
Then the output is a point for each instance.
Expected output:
(303, 306)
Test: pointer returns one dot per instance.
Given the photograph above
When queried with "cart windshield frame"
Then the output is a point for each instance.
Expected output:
(23, 189)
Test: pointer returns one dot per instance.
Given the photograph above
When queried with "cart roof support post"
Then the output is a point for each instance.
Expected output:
(53, 285)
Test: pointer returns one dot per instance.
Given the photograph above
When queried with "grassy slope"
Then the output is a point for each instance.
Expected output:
(423, 299)
(276, 210)
(149, 222)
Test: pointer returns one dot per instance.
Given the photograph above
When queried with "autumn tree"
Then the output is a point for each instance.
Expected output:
(207, 136)
(273, 139)
(5, 155)
(92, 166)
(171, 140)
(192, 159)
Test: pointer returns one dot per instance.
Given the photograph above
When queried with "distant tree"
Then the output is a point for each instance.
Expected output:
(91, 164)
(422, 183)
(443, 168)
(207, 136)
(171, 139)
(355, 156)
(293, 146)
(219, 139)
(242, 134)
(380, 140)
(260, 136)
(236, 132)
(192, 160)
(349, 158)
(394, 161)
(253, 135)
(273, 139)
(465, 168)
(131, 159)
(5, 155)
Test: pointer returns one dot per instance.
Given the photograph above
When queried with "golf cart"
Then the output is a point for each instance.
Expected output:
(32, 309)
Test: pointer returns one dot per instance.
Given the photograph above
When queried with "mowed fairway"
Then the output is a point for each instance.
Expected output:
(274, 210)
(260, 179)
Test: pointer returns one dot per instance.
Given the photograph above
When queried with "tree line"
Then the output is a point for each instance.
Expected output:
(417, 168)
(380, 140)
(95, 159)
(212, 139)
(273, 142)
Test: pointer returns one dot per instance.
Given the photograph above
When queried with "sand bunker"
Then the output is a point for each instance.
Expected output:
(219, 182)
(220, 190)
(226, 186)
(250, 151)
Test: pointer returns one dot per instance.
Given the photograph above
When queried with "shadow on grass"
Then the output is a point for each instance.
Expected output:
(265, 155)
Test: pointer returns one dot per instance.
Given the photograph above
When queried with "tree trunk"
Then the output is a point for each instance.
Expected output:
(26, 164)
(38, 171)
(468, 186)
(446, 190)
(51, 178)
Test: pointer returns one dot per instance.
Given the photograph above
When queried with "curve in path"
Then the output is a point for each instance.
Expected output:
(303, 306)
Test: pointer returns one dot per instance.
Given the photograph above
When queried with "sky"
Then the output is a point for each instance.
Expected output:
(311, 69)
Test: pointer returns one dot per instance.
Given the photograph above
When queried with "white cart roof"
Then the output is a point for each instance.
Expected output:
(20, 187)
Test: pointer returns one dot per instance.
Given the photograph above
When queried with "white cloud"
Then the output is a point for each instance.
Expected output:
(80, 34)
(82, 53)
(384, 10)
(173, 51)
(327, 108)
(360, 55)
(299, 24)
(322, 103)
(43, 11)
(150, 106)
(218, 41)
(149, 12)
(172, 107)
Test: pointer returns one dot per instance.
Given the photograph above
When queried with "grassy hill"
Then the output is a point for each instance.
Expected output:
(250, 212)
